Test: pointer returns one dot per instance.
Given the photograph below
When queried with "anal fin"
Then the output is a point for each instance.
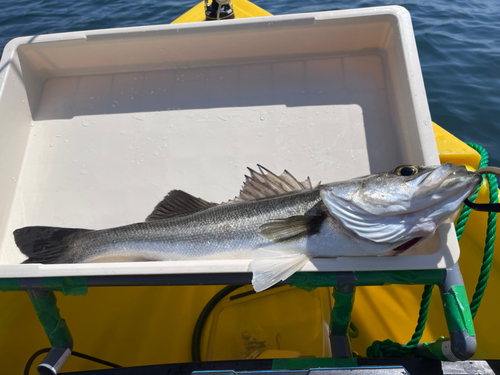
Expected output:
(271, 266)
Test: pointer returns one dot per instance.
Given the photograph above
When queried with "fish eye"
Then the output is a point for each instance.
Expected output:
(406, 170)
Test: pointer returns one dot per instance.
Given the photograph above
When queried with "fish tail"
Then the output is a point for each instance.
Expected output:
(45, 244)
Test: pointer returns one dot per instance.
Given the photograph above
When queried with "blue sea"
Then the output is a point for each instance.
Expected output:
(458, 43)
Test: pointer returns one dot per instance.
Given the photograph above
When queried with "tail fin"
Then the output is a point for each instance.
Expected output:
(45, 244)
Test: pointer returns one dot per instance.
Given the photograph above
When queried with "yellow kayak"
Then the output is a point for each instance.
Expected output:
(137, 325)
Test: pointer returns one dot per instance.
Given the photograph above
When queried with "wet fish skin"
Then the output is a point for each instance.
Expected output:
(385, 213)
(220, 232)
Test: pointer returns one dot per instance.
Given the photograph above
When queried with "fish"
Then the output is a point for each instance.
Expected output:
(276, 221)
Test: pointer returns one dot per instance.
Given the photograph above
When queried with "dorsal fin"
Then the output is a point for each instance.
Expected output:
(178, 202)
(266, 184)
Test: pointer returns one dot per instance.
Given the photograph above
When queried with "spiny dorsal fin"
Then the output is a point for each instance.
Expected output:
(291, 228)
(178, 202)
(266, 184)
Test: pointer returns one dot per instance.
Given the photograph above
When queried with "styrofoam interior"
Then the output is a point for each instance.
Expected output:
(98, 126)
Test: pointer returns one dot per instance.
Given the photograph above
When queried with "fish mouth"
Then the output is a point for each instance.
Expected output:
(446, 183)
(441, 174)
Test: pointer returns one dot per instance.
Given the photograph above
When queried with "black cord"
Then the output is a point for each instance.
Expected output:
(27, 368)
(97, 360)
(198, 329)
(485, 207)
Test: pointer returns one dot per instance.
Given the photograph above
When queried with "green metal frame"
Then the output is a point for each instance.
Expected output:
(460, 346)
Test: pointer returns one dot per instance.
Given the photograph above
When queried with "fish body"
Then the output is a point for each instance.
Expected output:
(276, 221)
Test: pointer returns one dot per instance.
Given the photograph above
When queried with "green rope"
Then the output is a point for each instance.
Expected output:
(490, 236)
(389, 348)
(464, 213)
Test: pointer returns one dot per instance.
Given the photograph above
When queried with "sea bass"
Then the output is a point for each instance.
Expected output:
(277, 221)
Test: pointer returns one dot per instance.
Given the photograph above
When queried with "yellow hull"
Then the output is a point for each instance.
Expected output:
(135, 326)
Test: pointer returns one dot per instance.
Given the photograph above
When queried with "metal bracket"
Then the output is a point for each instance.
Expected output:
(343, 294)
(461, 345)
(55, 327)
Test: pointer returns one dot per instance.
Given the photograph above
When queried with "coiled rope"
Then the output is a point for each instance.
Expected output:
(390, 349)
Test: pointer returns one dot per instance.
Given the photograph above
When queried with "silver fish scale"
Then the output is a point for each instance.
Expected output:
(224, 231)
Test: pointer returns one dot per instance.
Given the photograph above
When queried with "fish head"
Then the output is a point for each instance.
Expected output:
(406, 203)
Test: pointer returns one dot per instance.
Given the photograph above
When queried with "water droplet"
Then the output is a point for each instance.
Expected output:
(132, 98)
(262, 116)
(260, 134)
(85, 123)
(426, 122)
(58, 135)
(51, 145)
(32, 123)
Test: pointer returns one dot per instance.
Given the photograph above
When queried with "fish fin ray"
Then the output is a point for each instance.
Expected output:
(178, 202)
(45, 244)
(271, 266)
(291, 228)
(267, 184)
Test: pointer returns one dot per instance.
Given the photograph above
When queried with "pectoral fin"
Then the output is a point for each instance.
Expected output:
(291, 228)
(271, 266)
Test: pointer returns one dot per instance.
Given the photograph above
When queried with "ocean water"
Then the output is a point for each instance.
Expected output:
(458, 44)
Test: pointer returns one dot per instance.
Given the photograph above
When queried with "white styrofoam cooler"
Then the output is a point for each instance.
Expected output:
(97, 126)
